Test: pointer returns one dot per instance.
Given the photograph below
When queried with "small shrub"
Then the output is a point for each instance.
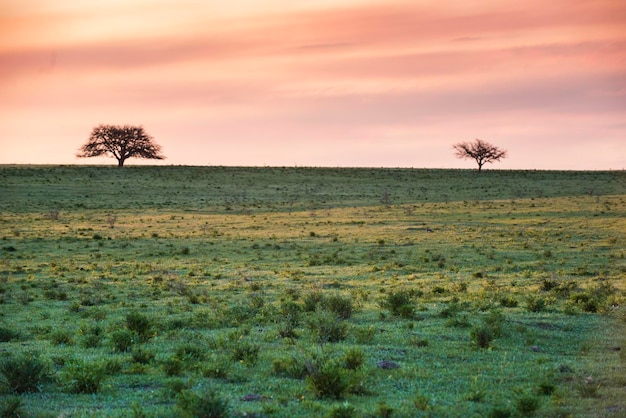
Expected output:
(23, 373)
(291, 367)
(459, 321)
(217, 367)
(421, 402)
(340, 305)
(527, 405)
(535, 304)
(123, 340)
(206, 405)
(383, 410)
(399, 303)
(246, 353)
(7, 334)
(142, 356)
(85, 377)
(500, 412)
(481, 336)
(92, 336)
(342, 411)
(494, 320)
(11, 407)
(326, 327)
(329, 381)
(172, 366)
(508, 302)
(364, 335)
(354, 358)
(546, 388)
(140, 324)
(190, 352)
(312, 301)
(61, 336)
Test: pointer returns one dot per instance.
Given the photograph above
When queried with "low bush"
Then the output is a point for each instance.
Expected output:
(527, 405)
(217, 367)
(353, 358)
(84, 377)
(340, 305)
(205, 405)
(535, 304)
(246, 352)
(23, 373)
(329, 381)
(326, 327)
(342, 411)
(172, 366)
(292, 367)
(11, 407)
(313, 300)
(7, 334)
(139, 324)
(481, 336)
(61, 337)
(399, 303)
(123, 340)
(142, 356)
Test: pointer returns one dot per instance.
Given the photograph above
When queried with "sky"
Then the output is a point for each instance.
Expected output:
(367, 83)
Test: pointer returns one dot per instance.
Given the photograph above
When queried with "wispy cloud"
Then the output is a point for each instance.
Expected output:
(326, 72)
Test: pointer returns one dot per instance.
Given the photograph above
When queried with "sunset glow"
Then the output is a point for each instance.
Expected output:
(325, 83)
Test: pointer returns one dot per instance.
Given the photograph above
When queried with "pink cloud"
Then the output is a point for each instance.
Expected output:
(367, 82)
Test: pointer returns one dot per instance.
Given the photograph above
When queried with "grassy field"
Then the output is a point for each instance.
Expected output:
(311, 292)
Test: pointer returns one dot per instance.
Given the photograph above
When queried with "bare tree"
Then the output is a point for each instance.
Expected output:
(121, 142)
(480, 151)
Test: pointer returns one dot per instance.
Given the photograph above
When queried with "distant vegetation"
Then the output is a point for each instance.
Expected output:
(480, 151)
(229, 291)
(120, 142)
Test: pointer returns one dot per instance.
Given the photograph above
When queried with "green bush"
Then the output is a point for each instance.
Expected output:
(23, 373)
(189, 352)
(340, 305)
(172, 366)
(61, 336)
(91, 336)
(326, 327)
(85, 377)
(246, 352)
(527, 405)
(206, 405)
(481, 336)
(399, 303)
(7, 334)
(342, 411)
(330, 381)
(11, 407)
(142, 356)
(535, 304)
(123, 340)
(291, 367)
(139, 324)
(217, 367)
(353, 358)
(313, 300)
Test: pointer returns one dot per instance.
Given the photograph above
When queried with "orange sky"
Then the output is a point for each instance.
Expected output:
(324, 83)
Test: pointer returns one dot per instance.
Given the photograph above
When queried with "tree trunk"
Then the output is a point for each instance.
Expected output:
(120, 163)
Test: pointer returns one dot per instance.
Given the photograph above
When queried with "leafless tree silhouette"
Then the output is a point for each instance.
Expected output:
(480, 151)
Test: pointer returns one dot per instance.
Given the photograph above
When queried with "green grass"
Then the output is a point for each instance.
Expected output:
(172, 291)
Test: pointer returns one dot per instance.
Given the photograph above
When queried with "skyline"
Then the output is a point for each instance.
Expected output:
(339, 83)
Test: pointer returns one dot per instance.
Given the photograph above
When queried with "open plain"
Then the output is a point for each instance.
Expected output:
(299, 292)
